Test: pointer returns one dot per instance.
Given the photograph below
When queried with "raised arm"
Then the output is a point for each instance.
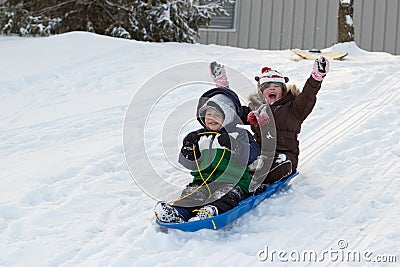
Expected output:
(305, 101)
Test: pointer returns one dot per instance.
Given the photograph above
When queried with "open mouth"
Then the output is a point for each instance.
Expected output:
(272, 96)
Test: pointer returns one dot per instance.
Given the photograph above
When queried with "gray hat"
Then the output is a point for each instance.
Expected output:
(223, 105)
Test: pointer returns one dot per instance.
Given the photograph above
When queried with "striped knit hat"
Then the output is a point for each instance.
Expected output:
(269, 75)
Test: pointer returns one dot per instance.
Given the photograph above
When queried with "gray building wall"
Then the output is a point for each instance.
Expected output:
(306, 24)
(377, 25)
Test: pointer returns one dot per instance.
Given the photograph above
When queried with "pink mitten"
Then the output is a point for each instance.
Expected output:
(320, 68)
(263, 118)
(218, 74)
(252, 118)
(259, 116)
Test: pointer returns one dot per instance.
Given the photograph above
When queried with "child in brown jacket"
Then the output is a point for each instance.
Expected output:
(289, 108)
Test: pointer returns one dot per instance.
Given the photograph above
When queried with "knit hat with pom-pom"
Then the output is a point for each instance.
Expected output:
(268, 76)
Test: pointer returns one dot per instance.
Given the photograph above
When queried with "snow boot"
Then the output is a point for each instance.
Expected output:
(167, 213)
(204, 213)
(260, 189)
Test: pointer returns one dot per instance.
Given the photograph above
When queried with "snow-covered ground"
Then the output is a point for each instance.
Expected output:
(67, 197)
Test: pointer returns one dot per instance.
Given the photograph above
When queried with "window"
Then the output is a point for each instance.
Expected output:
(224, 22)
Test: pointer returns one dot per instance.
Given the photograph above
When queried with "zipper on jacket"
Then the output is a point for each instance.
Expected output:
(210, 155)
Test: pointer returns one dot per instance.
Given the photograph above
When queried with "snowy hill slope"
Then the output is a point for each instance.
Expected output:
(67, 198)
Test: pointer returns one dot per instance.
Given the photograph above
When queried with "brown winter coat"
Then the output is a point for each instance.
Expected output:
(289, 113)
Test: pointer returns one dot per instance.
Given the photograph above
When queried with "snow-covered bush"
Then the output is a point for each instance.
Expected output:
(147, 20)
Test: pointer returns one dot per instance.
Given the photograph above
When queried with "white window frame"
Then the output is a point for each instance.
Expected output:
(219, 28)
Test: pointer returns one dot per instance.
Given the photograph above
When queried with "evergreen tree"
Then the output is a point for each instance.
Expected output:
(146, 20)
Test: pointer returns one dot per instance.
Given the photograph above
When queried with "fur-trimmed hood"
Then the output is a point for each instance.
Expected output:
(256, 98)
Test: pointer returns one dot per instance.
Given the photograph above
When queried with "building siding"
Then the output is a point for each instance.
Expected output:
(306, 24)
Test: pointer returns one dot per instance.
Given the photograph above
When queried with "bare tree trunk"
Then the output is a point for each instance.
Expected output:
(345, 21)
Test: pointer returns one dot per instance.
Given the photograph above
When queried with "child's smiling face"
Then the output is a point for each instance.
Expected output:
(272, 92)
(213, 119)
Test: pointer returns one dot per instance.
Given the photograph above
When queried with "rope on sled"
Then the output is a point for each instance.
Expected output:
(201, 175)
(209, 216)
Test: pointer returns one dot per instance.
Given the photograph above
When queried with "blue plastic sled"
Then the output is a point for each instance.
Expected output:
(228, 217)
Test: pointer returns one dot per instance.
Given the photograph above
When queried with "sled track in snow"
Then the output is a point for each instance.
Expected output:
(360, 235)
(346, 121)
(335, 129)
(369, 234)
